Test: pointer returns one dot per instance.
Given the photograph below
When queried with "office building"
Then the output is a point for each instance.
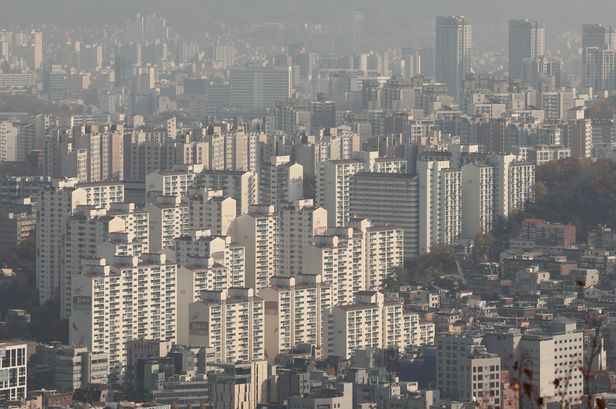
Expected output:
(526, 41)
(71, 367)
(556, 353)
(453, 52)
(238, 385)
(255, 87)
(388, 198)
(596, 38)
(17, 223)
(13, 371)
(578, 133)
(466, 371)
(331, 395)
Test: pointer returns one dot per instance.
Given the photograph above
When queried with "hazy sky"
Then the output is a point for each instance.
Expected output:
(412, 17)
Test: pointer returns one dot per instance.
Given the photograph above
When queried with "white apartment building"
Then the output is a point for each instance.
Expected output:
(243, 186)
(296, 312)
(196, 276)
(85, 229)
(168, 183)
(339, 144)
(189, 152)
(169, 219)
(333, 187)
(136, 222)
(338, 256)
(389, 165)
(241, 150)
(223, 250)
(440, 203)
(371, 322)
(231, 322)
(477, 199)
(280, 181)
(9, 135)
(56, 205)
(13, 372)
(384, 251)
(543, 154)
(123, 298)
(147, 151)
(427, 333)
(355, 258)
(103, 194)
(521, 185)
(104, 149)
(211, 210)
(257, 231)
(298, 223)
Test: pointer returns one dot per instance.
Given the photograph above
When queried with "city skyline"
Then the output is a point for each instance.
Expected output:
(307, 205)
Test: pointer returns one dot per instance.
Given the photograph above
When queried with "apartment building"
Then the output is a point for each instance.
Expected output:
(440, 203)
(370, 322)
(201, 274)
(57, 203)
(280, 181)
(122, 298)
(298, 223)
(257, 231)
(243, 186)
(231, 322)
(477, 199)
(333, 189)
(211, 210)
(169, 219)
(296, 312)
